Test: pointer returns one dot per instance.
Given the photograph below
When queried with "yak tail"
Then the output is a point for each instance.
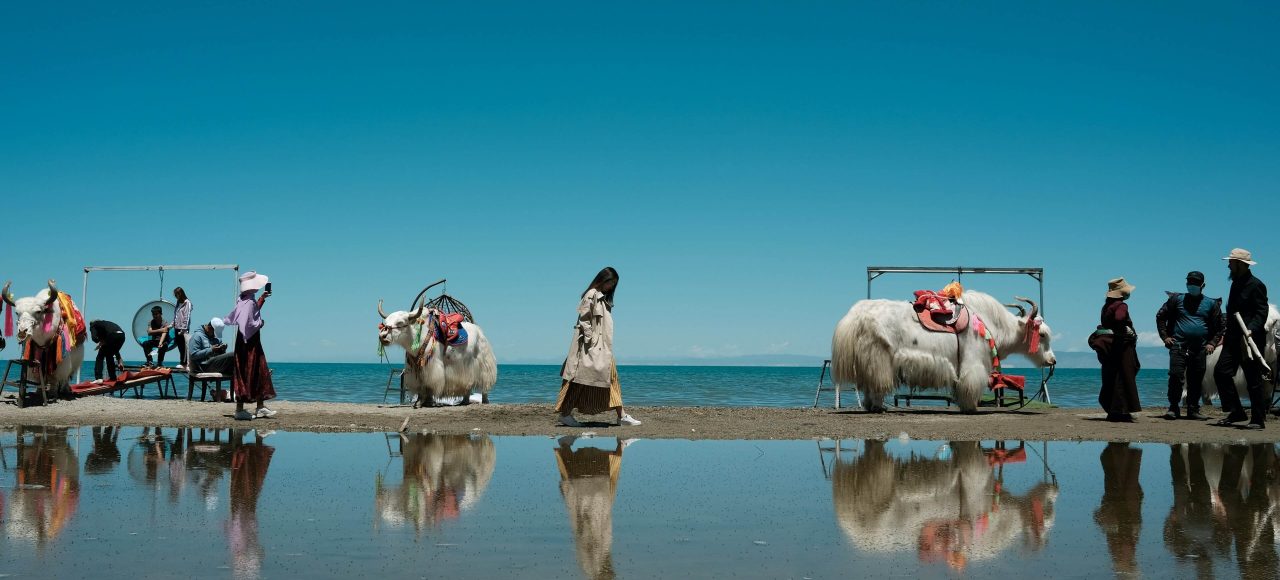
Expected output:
(844, 350)
(486, 374)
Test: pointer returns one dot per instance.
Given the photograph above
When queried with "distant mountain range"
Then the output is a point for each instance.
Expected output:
(1150, 357)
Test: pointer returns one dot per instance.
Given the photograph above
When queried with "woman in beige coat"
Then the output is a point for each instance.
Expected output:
(590, 375)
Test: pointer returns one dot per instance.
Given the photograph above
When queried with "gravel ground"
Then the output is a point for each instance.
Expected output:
(659, 422)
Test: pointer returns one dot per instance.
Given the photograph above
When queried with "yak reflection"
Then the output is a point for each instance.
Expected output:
(444, 475)
(46, 489)
(589, 483)
(1224, 495)
(951, 507)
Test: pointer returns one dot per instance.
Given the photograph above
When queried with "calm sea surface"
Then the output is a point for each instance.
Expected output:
(659, 385)
(125, 502)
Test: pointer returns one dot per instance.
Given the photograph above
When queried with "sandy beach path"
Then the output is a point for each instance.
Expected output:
(659, 422)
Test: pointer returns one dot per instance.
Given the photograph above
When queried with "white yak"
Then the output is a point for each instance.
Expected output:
(950, 507)
(880, 344)
(40, 322)
(434, 370)
(1210, 388)
(444, 475)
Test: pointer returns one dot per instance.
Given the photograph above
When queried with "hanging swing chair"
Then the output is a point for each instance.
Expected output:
(142, 323)
(444, 303)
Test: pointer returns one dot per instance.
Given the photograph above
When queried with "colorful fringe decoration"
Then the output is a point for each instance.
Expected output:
(8, 319)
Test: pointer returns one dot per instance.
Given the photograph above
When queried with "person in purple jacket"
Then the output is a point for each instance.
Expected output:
(251, 378)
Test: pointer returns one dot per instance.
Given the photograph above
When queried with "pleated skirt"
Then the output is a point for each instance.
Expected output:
(587, 399)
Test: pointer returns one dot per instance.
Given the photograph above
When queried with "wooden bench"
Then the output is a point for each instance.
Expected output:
(22, 382)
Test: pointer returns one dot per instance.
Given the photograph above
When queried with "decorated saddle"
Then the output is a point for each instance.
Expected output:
(449, 329)
(940, 312)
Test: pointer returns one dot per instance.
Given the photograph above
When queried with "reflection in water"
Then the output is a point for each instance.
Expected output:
(951, 507)
(249, 463)
(47, 487)
(1224, 494)
(443, 475)
(1120, 513)
(588, 483)
(106, 451)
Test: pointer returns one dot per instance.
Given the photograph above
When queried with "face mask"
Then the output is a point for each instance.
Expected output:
(1193, 290)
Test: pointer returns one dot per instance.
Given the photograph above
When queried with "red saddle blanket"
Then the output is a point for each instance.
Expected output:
(122, 380)
(938, 313)
(448, 328)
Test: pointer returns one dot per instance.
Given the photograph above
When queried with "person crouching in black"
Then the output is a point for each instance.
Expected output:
(109, 338)
(1191, 327)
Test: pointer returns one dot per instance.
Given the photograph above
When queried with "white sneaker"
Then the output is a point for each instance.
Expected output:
(97, 381)
(628, 420)
(264, 413)
(569, 421)
(243, 415)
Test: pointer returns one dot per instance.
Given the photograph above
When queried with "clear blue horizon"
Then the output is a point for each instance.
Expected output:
(740, 164)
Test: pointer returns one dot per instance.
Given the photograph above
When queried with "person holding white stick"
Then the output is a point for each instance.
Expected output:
(1248, 301)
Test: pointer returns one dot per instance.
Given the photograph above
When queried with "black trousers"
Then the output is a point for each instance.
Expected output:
(1187, 358)
(161, 345)
(1224, 376)
(181, 336)
(108, 350)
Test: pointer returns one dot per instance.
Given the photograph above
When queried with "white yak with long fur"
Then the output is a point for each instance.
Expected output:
(880, 345)
(40, 321)
(1210, 388)
(434, 370)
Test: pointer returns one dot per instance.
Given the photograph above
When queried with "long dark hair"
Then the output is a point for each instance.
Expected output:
(180, 294)
(606, 282)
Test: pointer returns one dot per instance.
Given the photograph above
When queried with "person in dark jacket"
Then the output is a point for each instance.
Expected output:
(1248, 298)
(1191, 327)
(1119, 394)
(109, 338)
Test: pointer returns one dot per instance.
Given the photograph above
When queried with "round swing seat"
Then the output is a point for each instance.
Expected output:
(142, 323)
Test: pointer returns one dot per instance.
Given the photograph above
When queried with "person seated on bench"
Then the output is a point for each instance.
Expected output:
(157, 337)
(207, 353)
(109, 338)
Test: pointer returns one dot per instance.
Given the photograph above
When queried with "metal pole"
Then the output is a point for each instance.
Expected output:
(84, 311)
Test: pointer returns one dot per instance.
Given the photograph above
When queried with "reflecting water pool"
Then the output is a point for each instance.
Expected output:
(113, 501)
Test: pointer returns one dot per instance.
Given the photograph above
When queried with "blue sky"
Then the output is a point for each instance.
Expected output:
(741, 164)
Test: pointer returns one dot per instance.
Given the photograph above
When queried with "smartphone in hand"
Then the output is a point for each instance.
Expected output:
(267, 288)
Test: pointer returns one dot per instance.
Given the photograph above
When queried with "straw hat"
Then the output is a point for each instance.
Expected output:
(1118, 288)
(252, 280)
(1242, 255)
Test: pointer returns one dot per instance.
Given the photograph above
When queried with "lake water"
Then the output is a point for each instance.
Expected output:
(142, 503)
(659, 385)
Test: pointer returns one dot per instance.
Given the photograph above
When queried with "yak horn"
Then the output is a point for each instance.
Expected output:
(1021, 311)
(380, 312)
(414, 304)
(418, 313)
(1035, 308)
(5, 295)
(53, 291)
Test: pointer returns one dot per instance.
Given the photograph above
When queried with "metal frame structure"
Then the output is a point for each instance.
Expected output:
(874, 272)
(84, 291)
